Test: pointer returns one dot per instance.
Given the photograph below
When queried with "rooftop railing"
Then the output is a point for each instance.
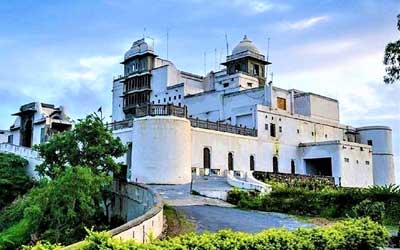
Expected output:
(178, 111)
(222, 127)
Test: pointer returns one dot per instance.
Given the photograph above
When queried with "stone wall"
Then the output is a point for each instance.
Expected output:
(141, 208)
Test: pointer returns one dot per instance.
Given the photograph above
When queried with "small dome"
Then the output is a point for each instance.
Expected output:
(138, 47)
(245, 45)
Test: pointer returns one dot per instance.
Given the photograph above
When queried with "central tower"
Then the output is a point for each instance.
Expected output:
(246, 58)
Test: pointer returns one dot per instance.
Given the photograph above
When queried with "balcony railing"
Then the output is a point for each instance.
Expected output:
(157, 110)
(222, 127)
(120, 125)
(169, 109)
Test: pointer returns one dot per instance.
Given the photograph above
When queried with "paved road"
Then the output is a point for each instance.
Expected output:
(213, 218)
(213, 214)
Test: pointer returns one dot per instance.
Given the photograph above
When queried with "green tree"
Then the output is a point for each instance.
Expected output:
(392, 59)
(89, 144)
(58, 210)
(14, 180)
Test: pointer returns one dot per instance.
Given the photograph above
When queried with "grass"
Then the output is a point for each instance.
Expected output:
(177, 222)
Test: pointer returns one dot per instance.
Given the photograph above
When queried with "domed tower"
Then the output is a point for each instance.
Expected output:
(380, 138)
(246, 58)
(138, 62)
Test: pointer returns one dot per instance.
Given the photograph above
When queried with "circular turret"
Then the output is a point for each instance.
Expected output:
(380, 138)
(161, 150)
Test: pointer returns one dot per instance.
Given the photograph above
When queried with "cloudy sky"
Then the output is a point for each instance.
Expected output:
(67, 52)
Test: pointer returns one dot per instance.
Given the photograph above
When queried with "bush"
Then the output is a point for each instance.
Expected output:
(57, 210)
(14, 180)
(351, 234)
(328, 202)
(373, 210)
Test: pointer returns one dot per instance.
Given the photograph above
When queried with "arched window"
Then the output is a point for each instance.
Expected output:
(230, 161)
(275, 167)
(292, 167)
(206, 158)
(251, 162)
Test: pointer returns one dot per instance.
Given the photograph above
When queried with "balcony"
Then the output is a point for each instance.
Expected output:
(171, 110)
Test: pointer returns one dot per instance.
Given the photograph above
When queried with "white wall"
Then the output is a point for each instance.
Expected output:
(220, 144)
(161, 150)
(30, 155)
(354, 172)
(316, 106)
(4, 136)
(117, 101)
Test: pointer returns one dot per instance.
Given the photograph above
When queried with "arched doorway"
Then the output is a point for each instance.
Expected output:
(275, 167)
(230, 161)
(292, 167)
(27, 134)
(206, 158)
(251, 162)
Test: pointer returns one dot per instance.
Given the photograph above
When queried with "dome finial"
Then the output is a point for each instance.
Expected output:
(245, 37)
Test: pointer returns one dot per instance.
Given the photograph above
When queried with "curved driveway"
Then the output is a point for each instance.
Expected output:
(213, 215)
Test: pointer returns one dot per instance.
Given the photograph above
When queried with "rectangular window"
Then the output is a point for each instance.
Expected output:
(256, 70)
(280, 129)
(266, 126)
(369, 142)
(42, 135)
(226, 84)
(281, 103)
(250, 84)
(10, 139)
(298, 131)
(272, 130)
(366, 162)
(346, 160)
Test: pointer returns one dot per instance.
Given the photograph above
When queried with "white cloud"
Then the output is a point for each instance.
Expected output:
(325, 47)
(356, 81)
(89, 71)
(257, 6)
(305, 23)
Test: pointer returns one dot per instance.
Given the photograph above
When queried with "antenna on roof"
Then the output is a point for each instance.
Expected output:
(272, 77)
(227, 45)
(220, 59)
(215, 59)
(205, 63)
(144, 32)
(167, 41)
(268, 48)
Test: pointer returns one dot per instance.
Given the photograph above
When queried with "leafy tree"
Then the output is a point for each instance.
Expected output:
(392, 59)
(14, 180)
(58, 210)
(89, 144)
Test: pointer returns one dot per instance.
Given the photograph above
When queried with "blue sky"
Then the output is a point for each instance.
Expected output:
(66, 52)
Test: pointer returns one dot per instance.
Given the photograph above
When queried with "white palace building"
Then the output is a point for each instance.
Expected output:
(232, 121)
(176, 123)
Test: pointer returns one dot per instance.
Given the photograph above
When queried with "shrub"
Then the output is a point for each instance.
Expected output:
(14, 180)
(367, 208)
(351, 234)
(328, 202)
